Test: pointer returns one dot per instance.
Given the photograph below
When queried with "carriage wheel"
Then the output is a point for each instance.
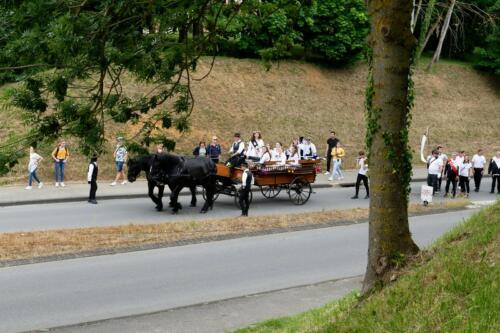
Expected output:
(237, 198)
(299, 191)
(204, 194)
(270, 192)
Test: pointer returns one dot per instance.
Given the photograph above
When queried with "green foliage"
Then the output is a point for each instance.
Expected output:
(488, 57)
(330, 31)
(70, 58)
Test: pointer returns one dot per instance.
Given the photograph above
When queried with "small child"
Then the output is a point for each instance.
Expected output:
(92, 178)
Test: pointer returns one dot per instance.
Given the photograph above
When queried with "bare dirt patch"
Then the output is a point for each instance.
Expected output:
(23, 247)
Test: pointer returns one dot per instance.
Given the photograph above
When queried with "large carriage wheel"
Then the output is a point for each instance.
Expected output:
(299, 191)
(237, 197)
(216, 194)
(270, 192)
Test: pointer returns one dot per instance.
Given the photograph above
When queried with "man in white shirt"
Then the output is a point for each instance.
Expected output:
(444, 157)
(244, 192)
(434, 169)
(478, 163)
(236, 151)
(362, 177)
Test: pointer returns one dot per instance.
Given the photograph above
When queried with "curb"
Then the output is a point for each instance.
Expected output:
(114, 197)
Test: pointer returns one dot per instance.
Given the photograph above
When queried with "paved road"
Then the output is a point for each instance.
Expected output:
(86, 289)
(125, 211)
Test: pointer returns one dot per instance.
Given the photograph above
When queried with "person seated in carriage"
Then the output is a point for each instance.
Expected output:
(254, 147)
(237, 152)
(266, 155)
(278, 155)
(293, 157)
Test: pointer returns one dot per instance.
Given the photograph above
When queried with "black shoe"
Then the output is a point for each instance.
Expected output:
(492, 192)
(93, 202)
(367, 197)
(354, 197)
(476, 190)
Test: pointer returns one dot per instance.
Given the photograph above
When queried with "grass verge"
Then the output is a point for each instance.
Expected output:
(86, 241)
(451, 287)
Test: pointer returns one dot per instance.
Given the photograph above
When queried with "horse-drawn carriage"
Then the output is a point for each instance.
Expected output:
(295, 179)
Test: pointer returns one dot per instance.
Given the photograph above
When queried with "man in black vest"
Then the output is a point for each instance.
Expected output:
(246, 187)
(92, 178)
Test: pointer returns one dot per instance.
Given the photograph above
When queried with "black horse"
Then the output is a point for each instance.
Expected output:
(143, 163)
(179, 172)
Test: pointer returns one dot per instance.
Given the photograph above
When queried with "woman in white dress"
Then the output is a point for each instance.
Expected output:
(266, 155)
(278, 155)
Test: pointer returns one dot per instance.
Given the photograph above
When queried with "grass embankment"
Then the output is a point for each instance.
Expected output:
(295, 98)
(452, 287)
(88, 241)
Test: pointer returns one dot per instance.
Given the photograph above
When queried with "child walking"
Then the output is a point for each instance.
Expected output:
(32, 168)
(92, 178)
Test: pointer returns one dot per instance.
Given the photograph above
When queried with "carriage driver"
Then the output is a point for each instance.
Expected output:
(237, 152)
(246, 186)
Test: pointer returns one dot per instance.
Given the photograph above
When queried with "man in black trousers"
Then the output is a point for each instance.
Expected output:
(92, 178)
(330, 144)
(246, 187)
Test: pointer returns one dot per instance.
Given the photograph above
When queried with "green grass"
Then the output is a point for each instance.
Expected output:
(451, 287)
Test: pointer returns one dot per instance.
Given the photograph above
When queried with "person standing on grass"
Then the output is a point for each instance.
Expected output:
(60, 156)
(35, 160)
(244, 192)
(478, 163)
(92, 178)
(362, 164)
(338, 154)
(494, 171)
(330, 144)
(214, 150)
(464, 174)
(434, 169)
(451, 174)
(120, 154)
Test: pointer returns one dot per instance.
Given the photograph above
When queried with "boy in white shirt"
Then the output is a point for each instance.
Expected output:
(362, 177)
(478, 163)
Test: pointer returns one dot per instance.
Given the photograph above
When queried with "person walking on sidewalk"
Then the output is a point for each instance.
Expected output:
(35, 160)
(362, 164)
(338, 154)
(330, 144)
(120, 154)
(244, 192)
(478, 163)
(60, 156)
(92, 178)
(451, 174)
(464, 173)
(494, 171)
(434, 169)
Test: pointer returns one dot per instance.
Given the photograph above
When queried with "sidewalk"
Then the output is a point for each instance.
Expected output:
(17, 195)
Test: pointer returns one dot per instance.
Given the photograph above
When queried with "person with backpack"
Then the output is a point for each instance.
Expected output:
(92, 178)
(35, 160)
(60, 156)
(244, 192)
(451, 174)
(214, 150)
(494, 171)
(120, 154)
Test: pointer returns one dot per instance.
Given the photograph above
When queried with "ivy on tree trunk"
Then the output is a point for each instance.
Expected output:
(389, 101)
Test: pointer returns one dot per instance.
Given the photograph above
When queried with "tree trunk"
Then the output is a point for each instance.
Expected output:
(423, 29)
(388, 103)
(442, 36)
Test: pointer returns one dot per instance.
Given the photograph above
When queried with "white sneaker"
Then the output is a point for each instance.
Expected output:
(57, 184)
(124, 182)
(330, 179)
(40, 185)
(62, 184)
(327, 173)
(28, 187)
(113, 184)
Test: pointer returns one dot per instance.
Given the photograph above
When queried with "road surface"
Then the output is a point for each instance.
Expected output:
(138, 211)
(94, 288)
